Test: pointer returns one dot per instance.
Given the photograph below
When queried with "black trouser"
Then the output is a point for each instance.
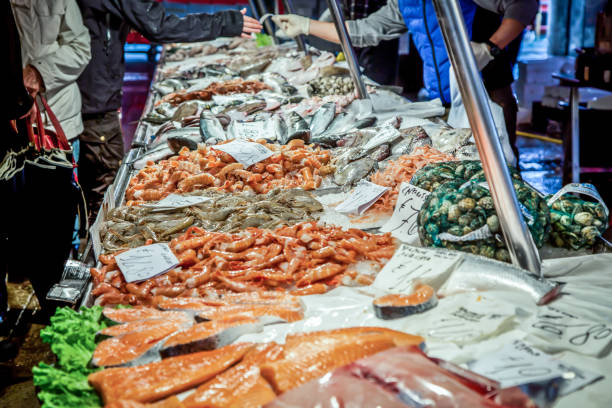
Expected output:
(497, 75)
(101, 152)
(381, 62)
(36, 229)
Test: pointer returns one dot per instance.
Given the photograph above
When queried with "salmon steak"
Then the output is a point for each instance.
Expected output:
(135, 347)
(119, 329)
(208, 335)
(241, 386)
(310, 355)
(154, 381)
(394, 306)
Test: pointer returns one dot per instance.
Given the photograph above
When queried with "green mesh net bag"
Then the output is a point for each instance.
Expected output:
(434, 175)
(461, 216)
(576, 223)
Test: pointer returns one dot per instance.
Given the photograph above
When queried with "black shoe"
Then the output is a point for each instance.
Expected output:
(8, 350)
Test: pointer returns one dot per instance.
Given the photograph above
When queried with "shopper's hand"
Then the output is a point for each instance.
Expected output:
(482, 53)
(32, 80)
(249, 25)
(292, 24)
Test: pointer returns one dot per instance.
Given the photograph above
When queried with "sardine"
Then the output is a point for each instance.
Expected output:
(353, 172)
(481, 274)
(322, 118)
(297, 128)
(210, 128)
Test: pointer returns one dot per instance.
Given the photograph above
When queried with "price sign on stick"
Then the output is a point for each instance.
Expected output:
(403, 223)
(361, 198)
(410, 265)
(146, 262)
(518, 363)
(245, 152)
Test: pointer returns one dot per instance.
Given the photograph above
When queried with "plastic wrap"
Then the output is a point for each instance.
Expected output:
(462, 217)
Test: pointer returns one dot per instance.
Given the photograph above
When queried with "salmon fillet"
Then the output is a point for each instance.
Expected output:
(141, 313)
(186, 303)
(170, 402)
(154, 381)
(128, 347)
(240, 386)
(289, 313)
(119, 329)
(208, 335)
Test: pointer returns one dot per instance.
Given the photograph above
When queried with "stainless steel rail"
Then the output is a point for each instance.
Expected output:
(266, 23)
(301, 42)
(347, 48)
(518, 239)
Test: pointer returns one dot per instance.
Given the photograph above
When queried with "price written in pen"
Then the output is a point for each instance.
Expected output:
(245, 152)
(403, 223)
(146, 262)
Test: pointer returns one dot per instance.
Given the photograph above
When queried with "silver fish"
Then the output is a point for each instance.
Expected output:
(176, 143)
(210, 128)
(185, 109)
(297, 128)
(354, 172)
(162, 139)
(322, 118)
(155, 156)
(481, 274)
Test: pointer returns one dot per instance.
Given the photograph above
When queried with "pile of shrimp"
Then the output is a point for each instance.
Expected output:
(216, 88)
(293, 165)
(401, 170)
(305, 258)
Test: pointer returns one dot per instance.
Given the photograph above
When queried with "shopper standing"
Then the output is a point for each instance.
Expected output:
(109, 22)
(492, 36)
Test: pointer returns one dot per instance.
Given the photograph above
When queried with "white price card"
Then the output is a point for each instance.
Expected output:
(518, 363)
(361, 198)
(177, 201)
(403, 223)
(386, 134)
(576, 379)
(563, 330)
(247, 153)
(146, 262)
(412, 265)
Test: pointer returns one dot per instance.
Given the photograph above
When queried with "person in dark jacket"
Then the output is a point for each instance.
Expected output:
(109, 22)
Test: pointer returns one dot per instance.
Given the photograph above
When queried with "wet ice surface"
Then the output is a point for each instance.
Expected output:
(541, 164)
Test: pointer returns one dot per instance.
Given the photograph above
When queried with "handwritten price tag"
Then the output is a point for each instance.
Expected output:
(403, 223)
(177, 201)
(516, 364)
(247, 153)
(146, 262)
(411, 265)
(567, 331)
(361, 198)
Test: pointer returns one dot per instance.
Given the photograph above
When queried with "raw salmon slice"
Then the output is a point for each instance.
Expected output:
(119, 329)
(239, 386)
(399, 338)
(394, 305)
(141, 313)
(208, 336)
(131, 348)
(186, 303)
(171, 402)
(154, 381)
(287, 313)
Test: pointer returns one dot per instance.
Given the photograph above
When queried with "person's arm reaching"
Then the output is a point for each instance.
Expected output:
(151, 20)
(63, 66)
(385, 24)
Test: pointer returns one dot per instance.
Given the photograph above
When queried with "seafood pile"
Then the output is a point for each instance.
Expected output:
(331, 85)
(133, 226)
(216, 88)
(576, 223)
(402, 170)
(293, 165)
(304, 258)
(462, 216)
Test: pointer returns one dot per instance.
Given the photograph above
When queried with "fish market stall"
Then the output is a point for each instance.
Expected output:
(271, 240)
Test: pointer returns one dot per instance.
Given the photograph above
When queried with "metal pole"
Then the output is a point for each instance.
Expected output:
(301, 44)
(518, 239)
(575, 132)
(266, 23)
(253, 7)
(347, 48)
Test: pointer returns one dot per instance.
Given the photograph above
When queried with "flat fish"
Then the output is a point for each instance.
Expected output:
(176, 143)
(134, 348)
(210, 129)
(322, 118)
(482, 274)
(354, 171)
(241, 386)
(209, 335)
(184, 110)
(297, 128)
(153, 381)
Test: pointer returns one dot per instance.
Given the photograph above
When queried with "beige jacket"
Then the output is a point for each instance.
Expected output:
(55, 42)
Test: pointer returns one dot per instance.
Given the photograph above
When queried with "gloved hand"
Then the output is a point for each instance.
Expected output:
(292, 24)
(482, 54)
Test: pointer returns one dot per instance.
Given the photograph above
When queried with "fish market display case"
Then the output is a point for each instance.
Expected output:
(263, 245)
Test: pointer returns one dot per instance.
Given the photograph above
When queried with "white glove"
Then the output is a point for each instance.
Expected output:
(482, 53)
(292, 24)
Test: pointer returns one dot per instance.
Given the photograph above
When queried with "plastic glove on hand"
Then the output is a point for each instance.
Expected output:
(292, 24)
(482, 53)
